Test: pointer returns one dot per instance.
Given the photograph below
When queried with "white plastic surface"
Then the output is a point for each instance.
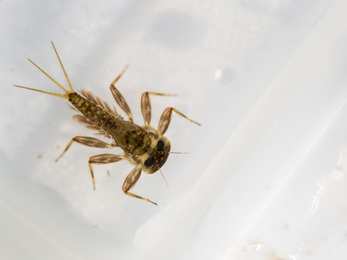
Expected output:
(266, 175)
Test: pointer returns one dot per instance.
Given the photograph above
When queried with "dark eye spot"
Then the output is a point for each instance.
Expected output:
(160, 145)
(149, 162)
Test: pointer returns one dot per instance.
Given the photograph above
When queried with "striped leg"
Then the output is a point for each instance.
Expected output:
(165, 119)
(88, 141)
(146, 105)
(119, 97)
(130, 182)
(103, 159)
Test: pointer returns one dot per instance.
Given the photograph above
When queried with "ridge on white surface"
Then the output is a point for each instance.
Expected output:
(306, 63)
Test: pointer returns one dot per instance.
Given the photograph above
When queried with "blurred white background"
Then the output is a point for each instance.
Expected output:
(266, 175)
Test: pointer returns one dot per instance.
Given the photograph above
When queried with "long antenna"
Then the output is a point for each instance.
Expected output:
(164, 179)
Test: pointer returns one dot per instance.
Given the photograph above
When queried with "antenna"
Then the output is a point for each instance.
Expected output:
(164, 179)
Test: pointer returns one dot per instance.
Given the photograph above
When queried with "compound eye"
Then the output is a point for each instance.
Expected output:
(160, 145)
(149, 162)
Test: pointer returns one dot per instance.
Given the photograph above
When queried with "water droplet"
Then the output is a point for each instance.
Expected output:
(218, 73)
(258, 246)
(316, 199)
(294, 257)
(336, 174)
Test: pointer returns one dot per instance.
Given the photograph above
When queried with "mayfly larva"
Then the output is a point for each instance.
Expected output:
(144, 147)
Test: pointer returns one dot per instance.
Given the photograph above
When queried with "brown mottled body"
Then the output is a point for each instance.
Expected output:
(95, 114)
(145, 147)
(131, 138)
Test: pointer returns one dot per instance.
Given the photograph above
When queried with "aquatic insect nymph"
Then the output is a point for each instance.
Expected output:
(145, 147)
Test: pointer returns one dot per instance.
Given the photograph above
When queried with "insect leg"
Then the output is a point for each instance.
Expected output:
(119, 97)
(103, 159)
(165, 119)
(146, 105)
(130, 182)
(88, 141)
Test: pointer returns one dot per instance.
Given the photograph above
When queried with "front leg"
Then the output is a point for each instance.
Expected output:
(130, 182)
(146, 108)
(165, 119)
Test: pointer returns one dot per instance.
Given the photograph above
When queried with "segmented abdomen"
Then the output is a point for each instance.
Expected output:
(97, 114)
